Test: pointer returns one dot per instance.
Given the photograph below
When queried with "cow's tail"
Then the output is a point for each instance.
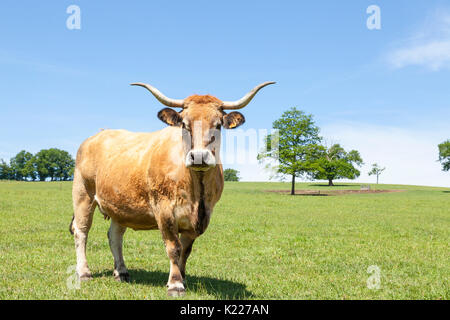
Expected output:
(71, 225)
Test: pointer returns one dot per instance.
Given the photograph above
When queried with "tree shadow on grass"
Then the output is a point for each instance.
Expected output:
(223, 289)
(336, 185)
(310, 194)
(446, 191)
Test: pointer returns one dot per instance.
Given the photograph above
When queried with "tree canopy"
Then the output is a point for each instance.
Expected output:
(335, 163)
(444, 155)
(51, 163)
(295, 146)
(231, 175)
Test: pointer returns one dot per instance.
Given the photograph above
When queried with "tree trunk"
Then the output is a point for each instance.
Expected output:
(293, 185)
(330, 182)
(377, 179)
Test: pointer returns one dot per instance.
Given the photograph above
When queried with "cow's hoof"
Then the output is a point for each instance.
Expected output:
(122, 277)
(86, 276)
(176, 290)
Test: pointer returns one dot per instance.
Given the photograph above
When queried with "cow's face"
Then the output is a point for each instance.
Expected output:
(201, 121)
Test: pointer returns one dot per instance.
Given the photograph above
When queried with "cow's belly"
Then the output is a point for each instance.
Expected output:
(135, 215)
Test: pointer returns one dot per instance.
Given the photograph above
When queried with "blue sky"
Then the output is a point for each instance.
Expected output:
(384, 92)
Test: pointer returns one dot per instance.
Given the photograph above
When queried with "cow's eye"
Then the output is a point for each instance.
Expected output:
(218, 126)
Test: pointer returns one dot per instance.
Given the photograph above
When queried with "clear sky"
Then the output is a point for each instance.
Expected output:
(383, 92)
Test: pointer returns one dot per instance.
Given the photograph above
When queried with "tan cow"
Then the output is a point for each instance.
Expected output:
(168, 180)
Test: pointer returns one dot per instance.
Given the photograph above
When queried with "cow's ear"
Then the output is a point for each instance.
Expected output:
(170, 116)
(233, 120)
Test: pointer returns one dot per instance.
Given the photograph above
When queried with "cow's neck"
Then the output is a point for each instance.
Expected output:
(199, 181)
(202, 197)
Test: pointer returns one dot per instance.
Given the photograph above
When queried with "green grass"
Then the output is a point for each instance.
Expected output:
(259, 245)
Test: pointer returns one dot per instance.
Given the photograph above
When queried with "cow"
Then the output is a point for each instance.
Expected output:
(169, 180)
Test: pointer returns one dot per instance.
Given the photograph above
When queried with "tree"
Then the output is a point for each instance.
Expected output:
(64, 165)
(444, 155)
(29, 172)
(336, 163)
(20, 165)
(376, 170)
(54, 164)
(48, 163)
(42, 165)
(295, 146)
(231, 175)
(5, 171)
(52, 156)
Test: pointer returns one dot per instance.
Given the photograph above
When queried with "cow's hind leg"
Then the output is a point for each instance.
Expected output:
(115, 237)
(84, 206)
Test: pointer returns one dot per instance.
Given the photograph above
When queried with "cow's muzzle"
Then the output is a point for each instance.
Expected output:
(201, 160)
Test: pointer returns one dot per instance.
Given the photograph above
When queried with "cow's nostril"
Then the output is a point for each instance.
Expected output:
(205, 158)
(197, 157)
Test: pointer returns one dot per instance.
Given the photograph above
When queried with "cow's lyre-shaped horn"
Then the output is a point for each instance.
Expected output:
(239, 104)
(173, 103)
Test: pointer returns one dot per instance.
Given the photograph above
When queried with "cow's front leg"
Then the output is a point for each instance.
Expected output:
(187, 240)
(169, 231)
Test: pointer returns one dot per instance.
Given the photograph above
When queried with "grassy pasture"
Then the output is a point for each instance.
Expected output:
(259, 245)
